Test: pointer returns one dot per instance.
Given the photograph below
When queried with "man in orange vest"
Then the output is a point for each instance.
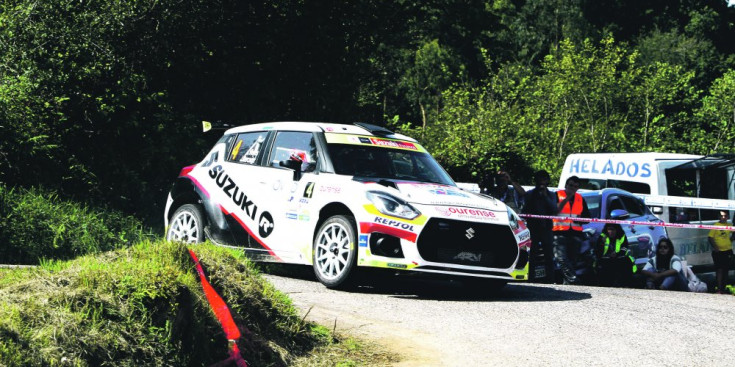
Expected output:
(568, 235)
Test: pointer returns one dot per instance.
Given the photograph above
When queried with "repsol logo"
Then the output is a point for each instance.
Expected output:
(233, 191)
(610, 167)
(394, 223)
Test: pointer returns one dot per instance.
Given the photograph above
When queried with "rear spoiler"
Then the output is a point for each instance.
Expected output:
(217, 125)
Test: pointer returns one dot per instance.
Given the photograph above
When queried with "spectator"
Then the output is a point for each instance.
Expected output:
(511, 196)
(664, 271)
(613, 263)
(721, 241)
(486, 183)
(541, 201)
(567, 234)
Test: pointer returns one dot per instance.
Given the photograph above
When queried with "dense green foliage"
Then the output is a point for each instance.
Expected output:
(37, 225)
(144, 306)
(101, 99)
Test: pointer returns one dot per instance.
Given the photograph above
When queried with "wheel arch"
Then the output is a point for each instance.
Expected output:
(184, 192)
(331, 210)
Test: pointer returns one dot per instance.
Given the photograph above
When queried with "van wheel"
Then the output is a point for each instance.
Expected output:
(187, 225)
(335, 252)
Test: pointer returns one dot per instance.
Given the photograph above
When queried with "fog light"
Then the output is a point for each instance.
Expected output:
(385, 245)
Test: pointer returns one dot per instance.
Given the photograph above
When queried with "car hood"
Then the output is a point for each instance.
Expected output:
(435, 194)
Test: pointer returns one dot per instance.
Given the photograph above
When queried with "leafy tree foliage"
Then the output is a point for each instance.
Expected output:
(102, 100)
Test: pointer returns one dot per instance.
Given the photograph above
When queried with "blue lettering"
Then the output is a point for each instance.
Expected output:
(608, 167)
(620, 168)
(594, 167)
(634, 166)
(574, 167)
(645, 170)
(584, 166)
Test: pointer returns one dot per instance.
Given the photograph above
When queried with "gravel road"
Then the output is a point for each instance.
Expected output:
(442, 323)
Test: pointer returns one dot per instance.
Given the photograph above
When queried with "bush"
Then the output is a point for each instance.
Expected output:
(35, 224)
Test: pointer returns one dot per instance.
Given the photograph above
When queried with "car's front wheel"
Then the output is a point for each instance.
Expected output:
(187, 225)
(335, 252)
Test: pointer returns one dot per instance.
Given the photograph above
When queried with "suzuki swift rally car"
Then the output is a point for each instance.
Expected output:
(339, 197)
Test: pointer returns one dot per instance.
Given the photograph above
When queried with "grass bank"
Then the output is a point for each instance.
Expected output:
(35, 224)
(143, 305)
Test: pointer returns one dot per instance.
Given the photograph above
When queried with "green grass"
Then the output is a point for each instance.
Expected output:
(143, 305)
(35, 224)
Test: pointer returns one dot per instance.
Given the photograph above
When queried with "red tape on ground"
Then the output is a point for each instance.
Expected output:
(222, 312)
(615, 221)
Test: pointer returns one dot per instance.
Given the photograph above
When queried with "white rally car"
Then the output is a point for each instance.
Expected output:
(339, 197)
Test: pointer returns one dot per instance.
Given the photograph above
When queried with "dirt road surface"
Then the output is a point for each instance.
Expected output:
(444, 323)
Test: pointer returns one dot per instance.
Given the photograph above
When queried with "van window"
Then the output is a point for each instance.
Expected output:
(630, 186)
(683, 182)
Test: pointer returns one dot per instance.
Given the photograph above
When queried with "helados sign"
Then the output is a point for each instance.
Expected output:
(609, 167)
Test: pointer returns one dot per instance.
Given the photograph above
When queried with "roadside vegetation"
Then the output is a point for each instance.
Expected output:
(35, 225)
(105, 293)
(143, 305)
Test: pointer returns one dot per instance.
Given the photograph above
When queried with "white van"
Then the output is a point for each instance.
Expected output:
(678, 188)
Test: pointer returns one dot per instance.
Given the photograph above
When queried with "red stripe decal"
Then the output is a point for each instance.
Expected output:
(242, 224)
(222, 312)
(198, 185)
(367, 227)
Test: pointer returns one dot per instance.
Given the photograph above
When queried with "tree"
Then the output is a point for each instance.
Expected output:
(717, 117)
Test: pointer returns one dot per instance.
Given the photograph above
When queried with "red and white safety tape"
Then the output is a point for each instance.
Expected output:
(222, 312)
(634, 222)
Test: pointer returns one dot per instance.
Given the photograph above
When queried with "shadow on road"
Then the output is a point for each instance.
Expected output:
(437, 288)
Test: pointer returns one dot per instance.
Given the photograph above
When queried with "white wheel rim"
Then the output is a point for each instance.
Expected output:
(184, 228)
(332, 251)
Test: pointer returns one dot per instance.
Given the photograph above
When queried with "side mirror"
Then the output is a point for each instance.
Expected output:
(292, 164)
(619, 214)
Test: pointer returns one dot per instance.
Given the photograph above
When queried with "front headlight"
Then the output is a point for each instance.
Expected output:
(512, 220)
(391, 205)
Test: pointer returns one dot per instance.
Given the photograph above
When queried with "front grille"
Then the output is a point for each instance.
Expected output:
(467, 243)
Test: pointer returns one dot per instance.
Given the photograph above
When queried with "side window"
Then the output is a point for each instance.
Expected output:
(247, 147)
(298, 144)
(613, 203)
(633, 206)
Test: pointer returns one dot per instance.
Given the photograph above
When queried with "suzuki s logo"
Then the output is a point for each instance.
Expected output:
(469, 233)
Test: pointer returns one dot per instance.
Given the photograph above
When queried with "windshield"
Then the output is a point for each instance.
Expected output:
(387, 163)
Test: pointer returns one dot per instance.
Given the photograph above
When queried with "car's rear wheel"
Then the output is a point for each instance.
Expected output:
(335, 252)
(187, 225)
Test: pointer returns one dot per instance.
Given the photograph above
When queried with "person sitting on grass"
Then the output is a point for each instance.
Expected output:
(664, 271)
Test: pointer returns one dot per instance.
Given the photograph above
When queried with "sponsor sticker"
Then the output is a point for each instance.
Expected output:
(394, 223)
(330, 189)
(467, 213)
(448, 192)
(363, 240)
(393, 144)
(397, 266)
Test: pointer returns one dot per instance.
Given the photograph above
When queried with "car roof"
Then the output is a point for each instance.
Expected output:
(606, 191)
(314, 127)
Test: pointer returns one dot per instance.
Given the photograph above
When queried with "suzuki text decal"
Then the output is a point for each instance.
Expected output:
(232, 190)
